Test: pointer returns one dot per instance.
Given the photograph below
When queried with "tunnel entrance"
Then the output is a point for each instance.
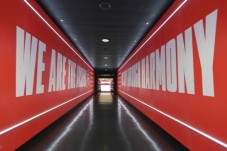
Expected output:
(105, 80)
(105, 84)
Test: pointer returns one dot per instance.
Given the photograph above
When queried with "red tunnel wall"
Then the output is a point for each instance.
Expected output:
(42, 74)
(177, 74)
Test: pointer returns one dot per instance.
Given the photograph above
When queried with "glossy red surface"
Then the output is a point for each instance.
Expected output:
(29, 101)
(190, 103)
(103, 122)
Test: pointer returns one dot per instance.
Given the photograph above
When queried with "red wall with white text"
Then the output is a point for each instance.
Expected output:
(177, 74)
(42, 75)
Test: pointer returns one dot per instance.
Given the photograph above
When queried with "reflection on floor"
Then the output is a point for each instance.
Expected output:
(104, 122)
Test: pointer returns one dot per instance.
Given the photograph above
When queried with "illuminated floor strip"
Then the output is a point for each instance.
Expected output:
(184, 1)
(38, 115)
(36, 12)
(180, 122)
(69, 127)
(140, 127)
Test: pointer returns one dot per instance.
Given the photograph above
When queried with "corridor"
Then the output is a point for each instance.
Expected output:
(113, 75)
(104, 122)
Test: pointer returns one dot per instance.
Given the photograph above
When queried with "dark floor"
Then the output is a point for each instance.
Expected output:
(104, 122)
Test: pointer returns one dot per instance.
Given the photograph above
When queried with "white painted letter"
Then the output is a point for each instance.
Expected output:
(41, 68)
(205, 39)
(185, 63)
(52, 78)
(143, 72)
(171, 66)
(152, 70)
(59, 72)
(25, 62)
(64, 73)
(147, 79)
(160, 69)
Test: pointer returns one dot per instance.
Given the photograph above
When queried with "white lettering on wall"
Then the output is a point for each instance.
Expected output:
(152, 70)
(143, 72)
(147, 79)
(71, 74)
(63, 73)
(160, 69)
(59, 72)
(41, 68)
(30, 67)
(26, 50)
(185, 62)
(172, 66)
(205, 39)
(52, 78)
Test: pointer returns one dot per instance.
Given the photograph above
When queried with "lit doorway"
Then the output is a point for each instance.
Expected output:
(105, 84)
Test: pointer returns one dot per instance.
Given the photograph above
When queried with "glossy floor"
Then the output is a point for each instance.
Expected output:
(104, 122)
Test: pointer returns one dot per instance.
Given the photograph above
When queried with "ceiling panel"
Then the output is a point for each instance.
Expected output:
(124, 24)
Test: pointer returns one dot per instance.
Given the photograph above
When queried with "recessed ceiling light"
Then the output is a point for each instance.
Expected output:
(105, 65)
(147, 23)
(105, 5)
(105, 57)
(105, 40)
(62, 20)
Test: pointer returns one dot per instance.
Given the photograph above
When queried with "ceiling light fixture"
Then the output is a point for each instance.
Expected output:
(147, 23)
(105, 40)
(105, 65)
(160, 27)
(105, 57)
(105, 6)
(62, 20)
(40, 16)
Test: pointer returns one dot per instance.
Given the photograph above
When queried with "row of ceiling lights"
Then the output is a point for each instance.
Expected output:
(63, 20)
(105, 6)
(105, 40)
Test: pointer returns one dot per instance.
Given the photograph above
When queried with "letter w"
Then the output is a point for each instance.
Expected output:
(26, 48)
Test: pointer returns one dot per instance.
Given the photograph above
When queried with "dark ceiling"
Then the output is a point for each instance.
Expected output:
(123, 22)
